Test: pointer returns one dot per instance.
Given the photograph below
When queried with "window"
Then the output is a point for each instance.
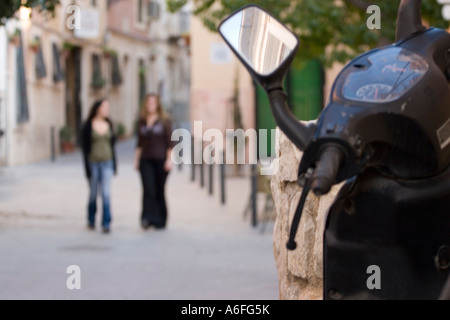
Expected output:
(57, 71)
(154, 10)
(141, 11)
(98, 82)
(116, 75)
(40, 68)
(184, 22)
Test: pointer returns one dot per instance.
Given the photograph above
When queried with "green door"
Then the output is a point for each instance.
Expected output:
(264, 121)
(305, 87)
(305, 92)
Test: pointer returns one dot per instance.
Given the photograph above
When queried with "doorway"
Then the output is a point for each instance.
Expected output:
(142, 81)
(73, 93)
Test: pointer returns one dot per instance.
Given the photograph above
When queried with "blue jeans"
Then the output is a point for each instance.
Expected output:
(101, 176)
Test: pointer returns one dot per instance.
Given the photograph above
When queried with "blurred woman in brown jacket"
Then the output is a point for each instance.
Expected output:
(153, 160)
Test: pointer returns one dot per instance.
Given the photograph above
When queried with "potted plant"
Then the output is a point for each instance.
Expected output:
(67, 49)
(186, 37)
(121, 131)
(14, 38)
(98, 82)
(109, 52)
(66, 139)
(142, 71)
(170, 59)
(35, 45)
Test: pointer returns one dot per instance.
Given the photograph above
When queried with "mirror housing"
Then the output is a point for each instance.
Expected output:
(262, 43)
(268, 61)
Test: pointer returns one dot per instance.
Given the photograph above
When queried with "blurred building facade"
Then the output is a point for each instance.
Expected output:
(219, 83)
(57, 66)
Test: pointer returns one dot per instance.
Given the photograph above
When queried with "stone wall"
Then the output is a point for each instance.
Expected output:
(300, 272)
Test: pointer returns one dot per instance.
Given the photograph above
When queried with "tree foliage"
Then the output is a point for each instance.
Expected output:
(329, 30)
(9, 7)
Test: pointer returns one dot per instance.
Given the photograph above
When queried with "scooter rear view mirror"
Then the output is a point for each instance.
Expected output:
(264, 45)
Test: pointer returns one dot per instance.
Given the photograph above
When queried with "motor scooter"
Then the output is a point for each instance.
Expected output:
(385, 132)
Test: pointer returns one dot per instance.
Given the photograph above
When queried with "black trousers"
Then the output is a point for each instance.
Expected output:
(154, 208)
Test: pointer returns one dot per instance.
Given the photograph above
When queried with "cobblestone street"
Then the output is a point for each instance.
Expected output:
(208, 251)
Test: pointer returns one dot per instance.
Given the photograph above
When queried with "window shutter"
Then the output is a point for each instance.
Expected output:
(41, 70)
(154, 10)
(116, 75)
(98, 82)
(22, 97)
(57, 71)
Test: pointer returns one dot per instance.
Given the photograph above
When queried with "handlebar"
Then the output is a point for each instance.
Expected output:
(327, 170)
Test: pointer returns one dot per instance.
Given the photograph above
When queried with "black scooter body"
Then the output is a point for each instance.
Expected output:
(401, 137)
(386, 130)
(395, 212)
(403, 227)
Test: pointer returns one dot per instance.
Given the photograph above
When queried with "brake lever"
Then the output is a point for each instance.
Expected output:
(291, 244)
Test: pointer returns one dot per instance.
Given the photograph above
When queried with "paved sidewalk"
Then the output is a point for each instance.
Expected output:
(207, 252)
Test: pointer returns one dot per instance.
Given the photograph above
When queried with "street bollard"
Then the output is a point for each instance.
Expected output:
(202, 175)
(52, 144)
(211, 179)
(180, 166)
(192, 160)
(254, 170)
(222, 181)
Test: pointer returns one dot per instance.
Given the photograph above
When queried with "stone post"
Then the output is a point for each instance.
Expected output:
(300, 272)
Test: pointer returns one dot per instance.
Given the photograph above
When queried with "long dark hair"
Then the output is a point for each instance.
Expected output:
(94, 110)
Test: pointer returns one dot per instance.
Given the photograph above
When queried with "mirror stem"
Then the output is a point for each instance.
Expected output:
(409, 19)
(298, 133)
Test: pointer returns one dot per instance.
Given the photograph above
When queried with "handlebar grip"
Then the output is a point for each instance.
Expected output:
(327, 170)
(445, 295)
